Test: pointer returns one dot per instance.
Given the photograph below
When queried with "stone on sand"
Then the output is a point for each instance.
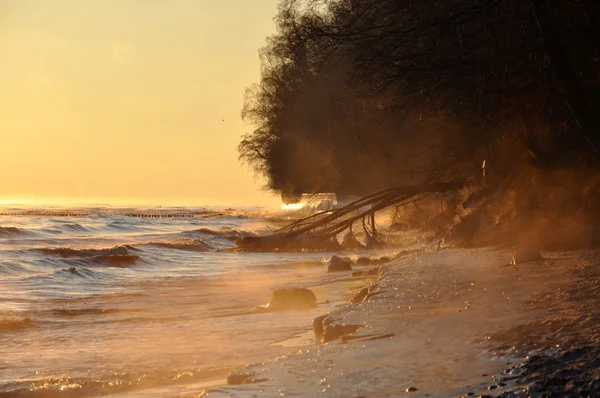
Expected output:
(363, 261)
(292, 298)
(337, 264)
(326, 329)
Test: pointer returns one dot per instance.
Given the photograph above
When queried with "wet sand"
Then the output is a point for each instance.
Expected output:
(443, 323)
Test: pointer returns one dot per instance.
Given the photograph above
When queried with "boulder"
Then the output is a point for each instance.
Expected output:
(338, 267)
(360, 296)
(334, 331)
(365, 294)
(319, 328)
(327, 330)
(292, 298)
(526, 255)
(381, 260)
(337, 264)
(363, 261)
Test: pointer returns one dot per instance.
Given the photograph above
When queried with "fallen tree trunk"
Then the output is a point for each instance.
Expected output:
(319, 232)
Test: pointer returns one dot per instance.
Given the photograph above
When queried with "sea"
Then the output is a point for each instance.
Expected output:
(144, 300)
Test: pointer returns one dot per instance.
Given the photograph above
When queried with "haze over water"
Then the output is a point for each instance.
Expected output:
(108, 302)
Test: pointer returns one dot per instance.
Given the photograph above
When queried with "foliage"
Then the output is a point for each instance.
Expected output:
(360, 95)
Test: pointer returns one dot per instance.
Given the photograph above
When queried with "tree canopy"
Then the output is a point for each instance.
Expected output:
(361, 95)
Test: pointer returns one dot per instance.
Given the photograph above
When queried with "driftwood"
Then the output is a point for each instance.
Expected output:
(319, 231)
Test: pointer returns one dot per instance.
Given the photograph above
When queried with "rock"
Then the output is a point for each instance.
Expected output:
(319, 328)
(363, 261)
(399, 227)
(327, 330)
(411, 389)
(292, 298)
(337, 264)
(360, 296)
(523, 256)
(337, 259)
(334, 331)
(242, 376)
(338, 267)
(350, 242)
(365, 294)
(381, 260)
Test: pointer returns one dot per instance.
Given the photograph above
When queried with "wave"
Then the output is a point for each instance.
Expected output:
(77, 273)
(74, 227)
(117, 257)
(82, 311)
(69, 252)
(12, 231)
(50, 230)
(115, 260)
(229, 234)
(123, 226)
(195, 245)
(11, 268)
(109, 384)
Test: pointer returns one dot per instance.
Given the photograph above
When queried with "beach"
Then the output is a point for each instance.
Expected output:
(111, 303)
(108, 304)
(456, 322)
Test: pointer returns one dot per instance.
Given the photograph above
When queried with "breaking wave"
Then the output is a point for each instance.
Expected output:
(74, 227)
(74, 272)
(117, 257)
(114, 260)
(68, 252)
(11, 268)
(195, 245)
(12, 231)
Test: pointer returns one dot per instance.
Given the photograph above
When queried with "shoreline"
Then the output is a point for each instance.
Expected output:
(333, 291)
(439, 325)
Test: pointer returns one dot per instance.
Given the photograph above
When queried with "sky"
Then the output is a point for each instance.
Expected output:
(128, 101)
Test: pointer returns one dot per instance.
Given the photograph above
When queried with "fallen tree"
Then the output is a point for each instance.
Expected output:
(320, 231)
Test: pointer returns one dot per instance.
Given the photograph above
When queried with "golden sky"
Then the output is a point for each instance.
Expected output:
(128, 100)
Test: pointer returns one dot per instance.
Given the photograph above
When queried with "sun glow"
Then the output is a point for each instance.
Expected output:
(293, 206)
(135, 111)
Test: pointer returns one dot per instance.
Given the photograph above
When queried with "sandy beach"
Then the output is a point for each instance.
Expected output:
(442, 323)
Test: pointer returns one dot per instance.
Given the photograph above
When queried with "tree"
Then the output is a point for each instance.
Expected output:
(357, 96)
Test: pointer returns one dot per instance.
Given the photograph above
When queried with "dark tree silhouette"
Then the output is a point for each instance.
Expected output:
(357, 96)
